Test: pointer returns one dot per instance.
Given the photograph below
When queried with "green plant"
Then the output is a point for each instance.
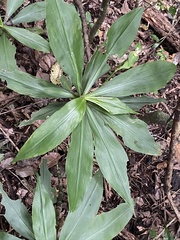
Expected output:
(166, 234)
(31, 13)
(80, 224)
(91, 116)
(131, 60)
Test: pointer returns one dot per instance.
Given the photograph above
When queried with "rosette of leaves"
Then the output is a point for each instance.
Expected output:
(91, 117)
(28, 37)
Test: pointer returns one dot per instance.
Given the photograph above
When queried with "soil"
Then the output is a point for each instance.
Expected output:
(147, 174)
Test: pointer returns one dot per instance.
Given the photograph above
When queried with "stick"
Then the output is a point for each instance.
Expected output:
(79, 5)
(173, 155)
(100, 20)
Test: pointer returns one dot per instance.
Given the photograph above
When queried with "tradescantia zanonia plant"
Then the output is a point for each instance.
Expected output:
(80, 224)
(91, 116)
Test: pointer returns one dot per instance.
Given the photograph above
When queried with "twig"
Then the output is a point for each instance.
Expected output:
(10, 140)
(59, 199)
(161, 233)
(25, 106)
(173, 155)
(79, 5)
(176, 211)
(21, 181)
(100, 20)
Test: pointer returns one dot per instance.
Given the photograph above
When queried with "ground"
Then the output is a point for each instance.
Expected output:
(147, 174)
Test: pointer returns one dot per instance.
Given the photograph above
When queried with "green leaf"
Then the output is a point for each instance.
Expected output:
(173, 10)
(122, 33)
(83, 215)
(1, 156)
(132, 59)
(137, 102)
(17, 216)
(31, 13)
(66, 83)
(81, 158)
(26, 84)
(110, 155)
(43, 214)
(111, 105)
(167, 235)
(95, 68)
(7, 56)
(147, 77)
(1, 24)
(46, 177)
(152, 233)
(108, 224)
(54, 130)
(65, 37)
(29, 39)
(6, 236)
(82, 223)
(46, 180)
(43, 113)
(11, 7)
(155, 38)
(135, 134)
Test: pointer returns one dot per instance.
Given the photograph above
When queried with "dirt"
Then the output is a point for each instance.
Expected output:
(147, 174)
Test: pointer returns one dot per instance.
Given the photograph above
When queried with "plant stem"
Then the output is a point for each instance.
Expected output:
(79, 5)
(100, 20)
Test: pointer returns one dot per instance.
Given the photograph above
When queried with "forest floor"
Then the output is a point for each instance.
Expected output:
(147, 174)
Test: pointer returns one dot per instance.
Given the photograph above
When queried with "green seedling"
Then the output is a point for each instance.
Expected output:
(166, 234)
(157, 45)
(132, 58)
(89, 19)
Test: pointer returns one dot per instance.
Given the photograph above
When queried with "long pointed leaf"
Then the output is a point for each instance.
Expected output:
(95, 69)
(145, 78)
(31, 13)
(46, 180)
(45, 177)
(7, 56)
(107, 225)
(79, 163)
(43, 113)
(27, 84)
(43, 214)
(110, 156)
(54, 130)
(134, 133)
(122, 32)
(11, 7)
(111, 105)
(17, 216)
(137, 102)
(65, 37)
(29, 39)
(84, 214)
(6, 236)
